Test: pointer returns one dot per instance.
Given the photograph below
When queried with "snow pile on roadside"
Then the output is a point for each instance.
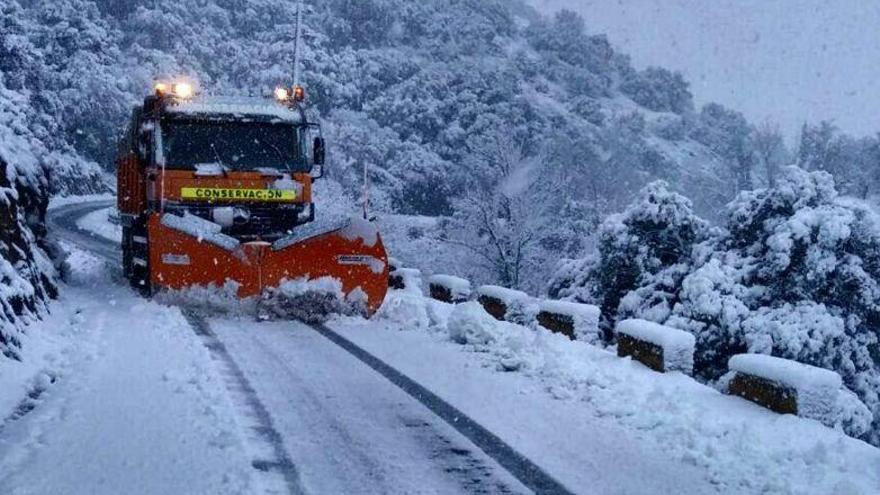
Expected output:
(59, 201)
(741, 446)
(409, 310)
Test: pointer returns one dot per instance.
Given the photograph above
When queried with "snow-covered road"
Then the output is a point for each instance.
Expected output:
(295, 412)
(132, 396)
(347, 428)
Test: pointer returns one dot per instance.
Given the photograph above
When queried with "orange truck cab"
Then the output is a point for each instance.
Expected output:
(213, 191)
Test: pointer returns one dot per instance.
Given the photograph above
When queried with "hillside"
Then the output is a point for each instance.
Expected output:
(443, 100)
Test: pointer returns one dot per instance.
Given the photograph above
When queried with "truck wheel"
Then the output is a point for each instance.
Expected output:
(139, 259)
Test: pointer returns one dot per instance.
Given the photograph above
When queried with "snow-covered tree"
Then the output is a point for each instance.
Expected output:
(647, 246)
(660, 90)
(770, 151)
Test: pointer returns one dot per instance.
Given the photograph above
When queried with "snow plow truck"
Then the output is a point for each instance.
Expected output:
(215, 191)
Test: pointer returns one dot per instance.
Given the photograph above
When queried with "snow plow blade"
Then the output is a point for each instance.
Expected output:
(187, 251)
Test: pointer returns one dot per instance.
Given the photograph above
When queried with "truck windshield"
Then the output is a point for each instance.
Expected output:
(235, 145)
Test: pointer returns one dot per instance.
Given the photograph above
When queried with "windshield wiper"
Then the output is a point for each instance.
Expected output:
(219, 161)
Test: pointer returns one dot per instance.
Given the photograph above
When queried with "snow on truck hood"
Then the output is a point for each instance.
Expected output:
(237, 106)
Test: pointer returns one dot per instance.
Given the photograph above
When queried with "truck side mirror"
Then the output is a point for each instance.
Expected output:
(318, 153)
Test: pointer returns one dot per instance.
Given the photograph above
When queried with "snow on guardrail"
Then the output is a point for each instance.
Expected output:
(449, 289)
(505, 320)
(503, 303)
(574, 320)
(786, 386)
(658, 347)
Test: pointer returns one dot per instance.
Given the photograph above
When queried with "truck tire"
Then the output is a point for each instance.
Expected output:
(136, 256)
(126, 252)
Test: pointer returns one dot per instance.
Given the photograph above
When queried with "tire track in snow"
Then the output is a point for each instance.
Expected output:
(274, 459)
(522, 468)
(277, 461)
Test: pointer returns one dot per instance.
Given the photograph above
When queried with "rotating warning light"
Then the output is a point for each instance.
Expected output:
(281, 94)
(183, 90)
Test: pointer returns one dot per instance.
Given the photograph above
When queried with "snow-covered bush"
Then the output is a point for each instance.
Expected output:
(647, 247)
(796, 274)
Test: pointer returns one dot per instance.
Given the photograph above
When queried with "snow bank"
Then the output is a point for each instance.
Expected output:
(201, 229)
(457, 289)
(59, 201)
(515, 346)
(817, 389)
(584, 317)
(737, 447)
(27, 276)
(677, 345)
(409, 310)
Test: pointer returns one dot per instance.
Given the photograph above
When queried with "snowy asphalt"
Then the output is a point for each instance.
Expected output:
(327, 418)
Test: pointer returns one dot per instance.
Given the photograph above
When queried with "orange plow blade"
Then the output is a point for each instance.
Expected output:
(188, 251)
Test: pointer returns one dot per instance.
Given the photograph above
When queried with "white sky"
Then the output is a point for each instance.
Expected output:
(783, 60)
